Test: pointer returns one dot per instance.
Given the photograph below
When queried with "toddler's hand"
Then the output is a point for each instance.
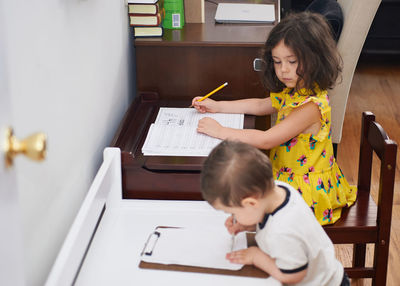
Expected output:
(234, 228)
(243, 256)
(206, 105)
(210, 127)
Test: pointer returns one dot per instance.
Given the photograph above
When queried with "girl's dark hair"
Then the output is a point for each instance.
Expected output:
(234, 171)
(310, 37)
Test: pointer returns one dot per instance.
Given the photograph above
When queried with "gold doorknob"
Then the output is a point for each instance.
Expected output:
(34, 147)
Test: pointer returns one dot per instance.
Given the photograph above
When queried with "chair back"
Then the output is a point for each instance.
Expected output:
(358, 16)
(375, 140)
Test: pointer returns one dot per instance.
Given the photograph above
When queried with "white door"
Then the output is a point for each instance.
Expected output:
(64, 71)
(11, 266)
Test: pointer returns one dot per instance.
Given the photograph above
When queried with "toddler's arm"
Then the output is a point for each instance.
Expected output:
(253, 106)
(255, 256)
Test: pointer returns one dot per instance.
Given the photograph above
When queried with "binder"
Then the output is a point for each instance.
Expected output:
(153, 239)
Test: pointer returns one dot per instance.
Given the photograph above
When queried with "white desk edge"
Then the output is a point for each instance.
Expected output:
(106, 190)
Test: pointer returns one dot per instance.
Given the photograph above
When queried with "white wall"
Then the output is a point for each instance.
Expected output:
(68, 64)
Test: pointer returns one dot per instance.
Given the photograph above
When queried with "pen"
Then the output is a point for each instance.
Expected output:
(233, 234)
(211, 92)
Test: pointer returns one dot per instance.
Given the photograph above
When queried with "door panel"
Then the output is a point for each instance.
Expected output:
(11, 266)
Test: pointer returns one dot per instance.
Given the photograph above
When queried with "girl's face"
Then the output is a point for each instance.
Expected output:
(285, 64)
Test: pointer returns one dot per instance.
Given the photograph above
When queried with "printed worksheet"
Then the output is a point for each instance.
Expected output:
(174, 132)
(193, 246)
(172, 116)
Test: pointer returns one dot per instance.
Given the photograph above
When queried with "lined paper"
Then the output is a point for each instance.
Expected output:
(174, 132)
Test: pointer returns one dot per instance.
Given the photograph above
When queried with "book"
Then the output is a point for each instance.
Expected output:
(145, 20)
(142, 9)
(140, 32)
(174, 132)
(142, 1)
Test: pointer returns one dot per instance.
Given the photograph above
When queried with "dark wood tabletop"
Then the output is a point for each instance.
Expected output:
(215, 34)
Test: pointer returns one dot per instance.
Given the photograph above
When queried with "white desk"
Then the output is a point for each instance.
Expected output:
(113, 254)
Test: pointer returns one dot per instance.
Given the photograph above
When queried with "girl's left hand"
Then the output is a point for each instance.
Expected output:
(210, 127)
(243, 256)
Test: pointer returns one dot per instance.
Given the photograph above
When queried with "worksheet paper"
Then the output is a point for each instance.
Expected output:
(174, 132)
(193, 246)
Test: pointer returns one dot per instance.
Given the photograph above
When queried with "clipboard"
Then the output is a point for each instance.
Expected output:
(246, 270)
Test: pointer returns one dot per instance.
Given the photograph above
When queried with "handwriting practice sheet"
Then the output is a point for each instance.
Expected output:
(193, 246)
(174, 132)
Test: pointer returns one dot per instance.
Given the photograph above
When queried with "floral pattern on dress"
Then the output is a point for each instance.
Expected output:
(306, 161)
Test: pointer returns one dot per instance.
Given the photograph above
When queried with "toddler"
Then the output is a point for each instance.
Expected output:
(292, 247)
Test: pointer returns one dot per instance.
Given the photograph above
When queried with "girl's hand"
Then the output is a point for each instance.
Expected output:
(207, 105)
(243, 256)
(210, 127)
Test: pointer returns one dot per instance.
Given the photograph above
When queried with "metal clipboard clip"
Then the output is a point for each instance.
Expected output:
(150, 243)
(152, 240)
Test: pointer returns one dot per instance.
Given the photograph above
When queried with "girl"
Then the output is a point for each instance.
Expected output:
(300, 63)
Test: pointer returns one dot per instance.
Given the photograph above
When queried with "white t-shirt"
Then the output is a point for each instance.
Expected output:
(293, 237)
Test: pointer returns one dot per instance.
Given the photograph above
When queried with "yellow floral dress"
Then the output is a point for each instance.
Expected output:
(307, 162)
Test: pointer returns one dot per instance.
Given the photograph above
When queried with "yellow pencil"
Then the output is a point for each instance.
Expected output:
(211, 92)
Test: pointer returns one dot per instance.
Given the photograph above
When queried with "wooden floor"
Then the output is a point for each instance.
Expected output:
(376, 88)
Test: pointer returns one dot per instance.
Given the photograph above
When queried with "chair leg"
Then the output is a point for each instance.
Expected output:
(359, 251)
(381, 256)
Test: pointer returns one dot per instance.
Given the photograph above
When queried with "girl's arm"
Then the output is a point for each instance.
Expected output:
(299, 120)
(255, 256)
(253, 106)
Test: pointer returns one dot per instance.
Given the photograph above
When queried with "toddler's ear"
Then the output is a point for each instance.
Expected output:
(249, 202)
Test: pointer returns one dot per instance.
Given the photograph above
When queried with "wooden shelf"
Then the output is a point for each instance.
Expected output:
(214, 34)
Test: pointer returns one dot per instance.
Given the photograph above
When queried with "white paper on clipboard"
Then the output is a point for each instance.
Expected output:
(193, 246)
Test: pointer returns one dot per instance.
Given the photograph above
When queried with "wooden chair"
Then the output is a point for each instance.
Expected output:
(367, 222)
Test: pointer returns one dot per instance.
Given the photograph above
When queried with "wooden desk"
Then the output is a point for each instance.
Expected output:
(156, 177)
(200, 57)
(172, 70)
